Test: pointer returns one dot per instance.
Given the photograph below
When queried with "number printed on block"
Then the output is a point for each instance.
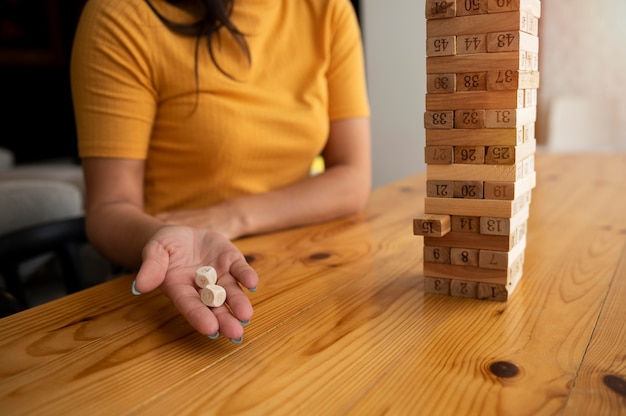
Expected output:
(439, 119)
(441, 46)
(469, 119)
(470, 44)
(503, 42)
(463, 224)
(439, 255)
(439, 155)
(468, 189)
(437, 285)
(495, 6)
(440, 9)
(440, 83)
(495, 226)
(440, 189)
(471, 81)
(469, 155)
(471, 7)
(500, 155)
(499, 190)
(431, 225)
(464, 257)
(461, 289)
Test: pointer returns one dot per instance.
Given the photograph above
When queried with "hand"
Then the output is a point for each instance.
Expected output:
(170, 260)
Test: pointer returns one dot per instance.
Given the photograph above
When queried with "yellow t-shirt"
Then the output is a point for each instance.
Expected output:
(136, 96)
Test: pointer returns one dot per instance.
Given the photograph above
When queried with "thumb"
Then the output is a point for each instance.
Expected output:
(154, 267)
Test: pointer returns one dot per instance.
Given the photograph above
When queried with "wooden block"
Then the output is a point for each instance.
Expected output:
(475, 137)
(471, 44)
(530, 97)
(512, 41)
(481, 23)
(474, 155)
(510, 79)
(509, 190)
(437, 286)
(510, 118)
(529, 131)
(213, 296)
(484, 173)
(440, 189)
(473, 240)
(501, 260)
(441, 46)
(495, 226)
(488, 100)
(440, 83)
(471, 81)
(206, 275)
(434, 254)
(531, 6)
(469, 207)
(440, 9)
(470, 7)
(533, 25)
(442, 155)
(509, 155)
(463, 224)
(470, 273)
(469, 119)
(479, 62)
(439, 119)
(464, 289)
(468, 189)
(431, 225)
(498, 292)
(464, 257)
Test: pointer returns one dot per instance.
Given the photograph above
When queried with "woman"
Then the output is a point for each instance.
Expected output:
(198, 122)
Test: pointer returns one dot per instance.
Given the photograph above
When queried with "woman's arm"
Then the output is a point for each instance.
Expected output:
(167, 256)
(342, 189)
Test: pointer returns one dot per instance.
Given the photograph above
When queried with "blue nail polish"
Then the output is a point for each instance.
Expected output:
(244, 323)
(237, 341)
(252, 290)
(214, 336)
(134, 290)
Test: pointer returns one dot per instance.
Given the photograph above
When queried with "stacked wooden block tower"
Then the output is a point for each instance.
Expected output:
(482, 80)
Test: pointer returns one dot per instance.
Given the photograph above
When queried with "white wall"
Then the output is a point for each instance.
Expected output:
(394, 33)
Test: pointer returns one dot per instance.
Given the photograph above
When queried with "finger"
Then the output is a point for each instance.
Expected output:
(230, 326)
(238, 302)
(153, 268)
(244, 273)
(186, 299)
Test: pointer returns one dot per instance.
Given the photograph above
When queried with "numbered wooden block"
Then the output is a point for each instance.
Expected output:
(495, 226)
(431, 225)
(469, 119)
(495, 6)
(437, 286)
(469, 189)
(464, 257)
(440, 83)
(440, 155)
(206, 275)
(440, 9)
(440, 189)
(499, 190)
(493, 292)
(471, 81)
(510, 79)
(441, 46)
(501, 260)
(500, 155)
(510, 118)
(530, 97)
(464, 224)
(529, 131)
(471, 7)
(213, 296)
(512, 41)
(471, 44)
(439, 119)
(469, 155)
(462, 137)
(439, 255)
(463, 289)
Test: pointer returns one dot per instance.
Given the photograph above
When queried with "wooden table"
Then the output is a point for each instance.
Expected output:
(342, 325)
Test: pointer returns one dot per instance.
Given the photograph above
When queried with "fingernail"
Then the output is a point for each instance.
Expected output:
(252, 290)
(134, 290)
(237, 341)
(244, 323)
(214, 336)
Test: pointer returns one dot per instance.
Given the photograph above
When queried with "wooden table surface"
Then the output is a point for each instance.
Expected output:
(342, 325)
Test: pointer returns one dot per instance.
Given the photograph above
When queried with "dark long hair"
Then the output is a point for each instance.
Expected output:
(212, 16)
